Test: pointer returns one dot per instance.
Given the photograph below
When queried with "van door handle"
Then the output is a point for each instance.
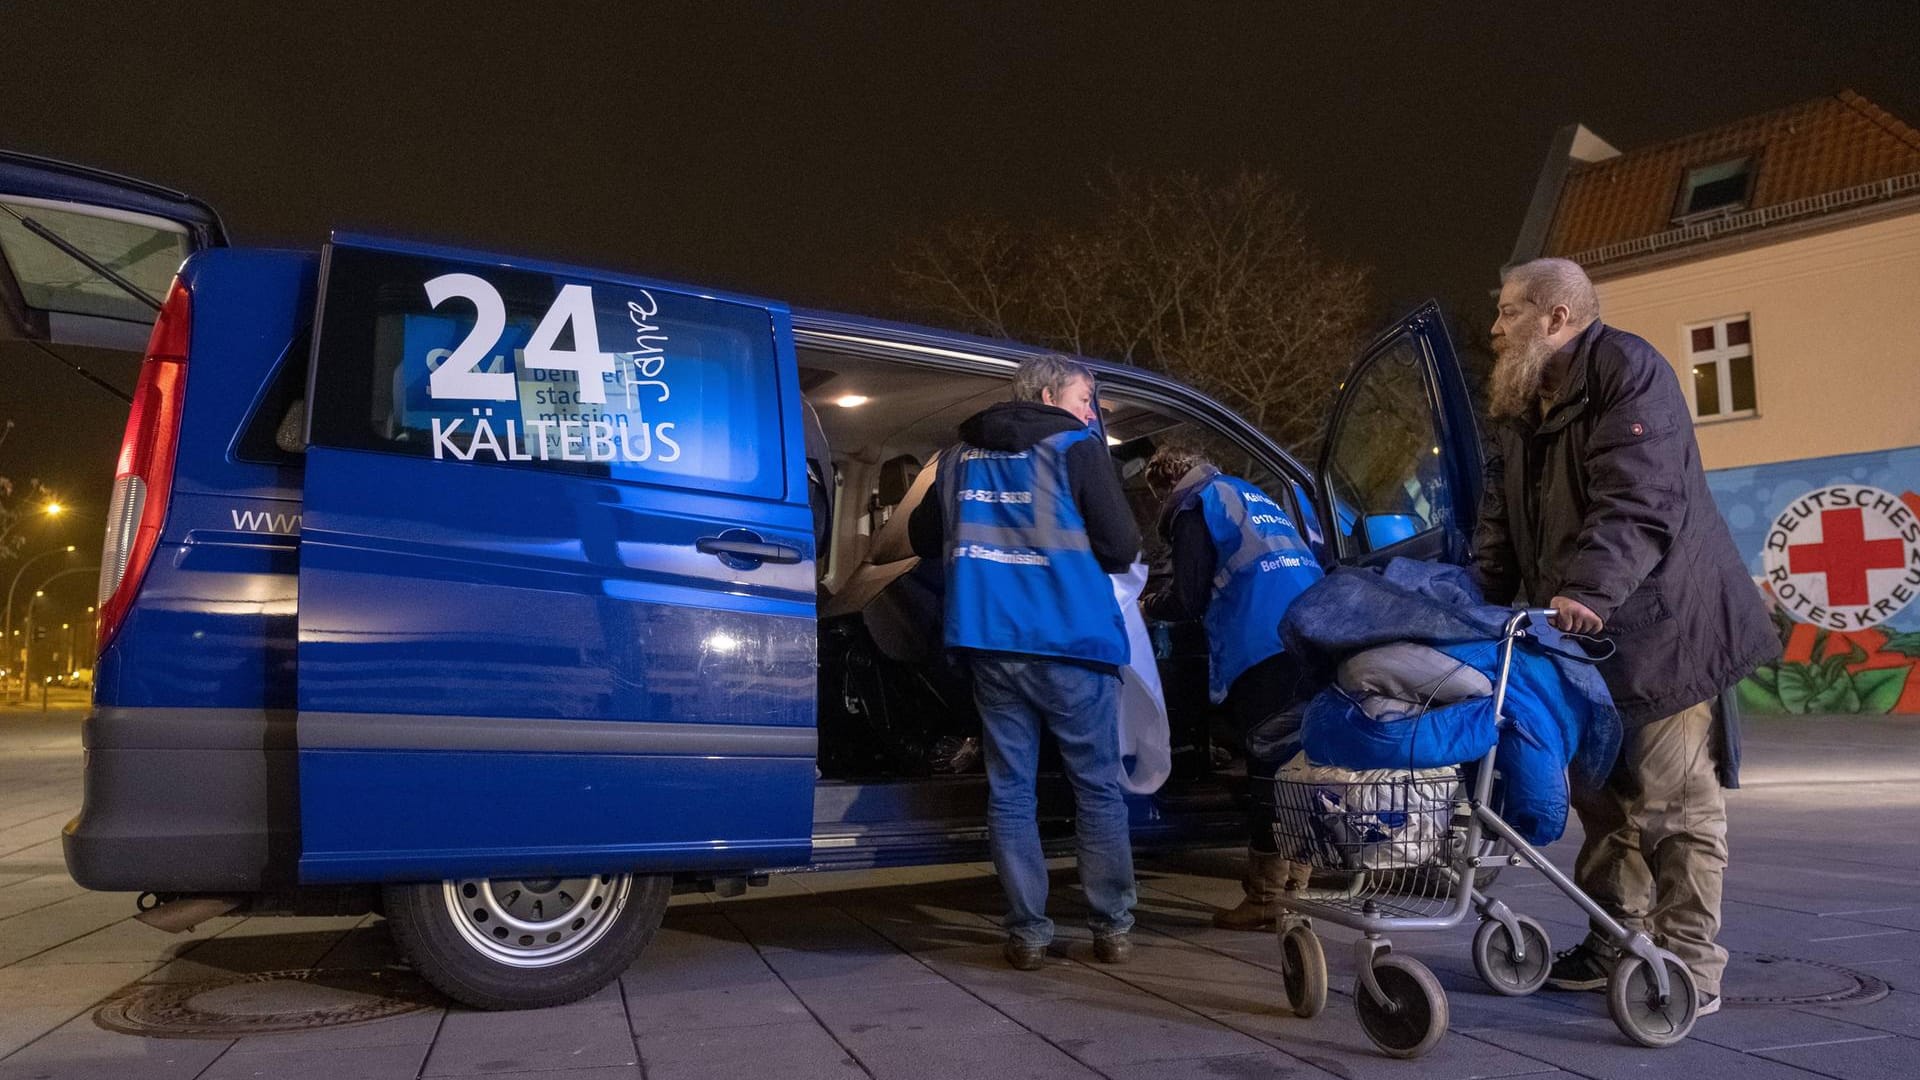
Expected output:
(743, 545)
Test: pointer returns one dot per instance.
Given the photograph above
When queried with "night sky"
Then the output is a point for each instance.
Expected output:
(790, 150)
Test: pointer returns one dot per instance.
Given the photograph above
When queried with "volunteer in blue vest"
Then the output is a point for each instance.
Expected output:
(1238, 561)
(1029, 518)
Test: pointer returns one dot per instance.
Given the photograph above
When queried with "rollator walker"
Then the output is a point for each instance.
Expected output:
(1429, 875)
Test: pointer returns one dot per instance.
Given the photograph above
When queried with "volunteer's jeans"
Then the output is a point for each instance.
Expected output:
(1018, 699)
(1656, 841)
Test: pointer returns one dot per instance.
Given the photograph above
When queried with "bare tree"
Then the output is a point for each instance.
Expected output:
(14, 500)
(1216, 282)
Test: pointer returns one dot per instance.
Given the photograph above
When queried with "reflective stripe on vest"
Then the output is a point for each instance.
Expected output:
(1260, 565)
(1021, 576)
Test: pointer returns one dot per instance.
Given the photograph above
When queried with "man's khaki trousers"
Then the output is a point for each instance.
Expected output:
(1656, 841)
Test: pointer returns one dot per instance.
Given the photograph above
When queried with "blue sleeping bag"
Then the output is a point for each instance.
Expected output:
(1560, 714)
(1336, 732)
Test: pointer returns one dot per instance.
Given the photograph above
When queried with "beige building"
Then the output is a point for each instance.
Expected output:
(1775, 261)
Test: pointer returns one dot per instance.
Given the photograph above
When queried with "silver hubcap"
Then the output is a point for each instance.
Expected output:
(533, 923)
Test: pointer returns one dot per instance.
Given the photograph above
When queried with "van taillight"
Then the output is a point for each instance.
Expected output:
(143, 480)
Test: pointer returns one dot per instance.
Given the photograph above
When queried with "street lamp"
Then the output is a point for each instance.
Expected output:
(18, 574)
(26, 654)
(26, 668)
(8, 637)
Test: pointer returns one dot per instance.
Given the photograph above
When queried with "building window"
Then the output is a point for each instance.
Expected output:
(1714, 189)
(1721, 353)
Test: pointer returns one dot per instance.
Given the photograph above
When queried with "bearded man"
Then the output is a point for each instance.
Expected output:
(1596, 506)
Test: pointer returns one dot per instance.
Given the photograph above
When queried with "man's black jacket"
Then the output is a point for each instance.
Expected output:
(1604, 501)
(1017, 425)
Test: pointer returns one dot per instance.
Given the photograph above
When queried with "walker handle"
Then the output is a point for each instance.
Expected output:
(1522, 615)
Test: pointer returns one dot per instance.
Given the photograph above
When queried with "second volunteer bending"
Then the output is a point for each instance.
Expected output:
(1238, 562)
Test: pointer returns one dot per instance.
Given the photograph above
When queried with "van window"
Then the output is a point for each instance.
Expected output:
(1384, 472)
(689, 384)
(1138, 428)
(262, 438)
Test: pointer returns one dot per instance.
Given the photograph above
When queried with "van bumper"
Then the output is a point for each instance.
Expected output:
(187, 800)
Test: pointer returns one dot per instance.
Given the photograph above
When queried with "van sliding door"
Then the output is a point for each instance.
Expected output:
(556, 575)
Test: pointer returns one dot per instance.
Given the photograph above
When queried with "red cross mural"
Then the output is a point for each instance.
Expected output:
(1845, 555)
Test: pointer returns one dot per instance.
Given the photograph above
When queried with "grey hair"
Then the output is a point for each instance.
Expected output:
(1551, 283)
(1052, 372)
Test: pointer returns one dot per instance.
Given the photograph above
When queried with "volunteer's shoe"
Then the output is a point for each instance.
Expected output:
(1250, 914)
(1709, 1004)
(1024, 955)
(1267, 876)
(1113, 948)
(1579, 968)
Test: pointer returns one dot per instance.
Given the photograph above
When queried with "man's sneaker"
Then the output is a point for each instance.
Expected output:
(1579, 968)
(1024, 955)
(1709, 1004)
(1113, 948)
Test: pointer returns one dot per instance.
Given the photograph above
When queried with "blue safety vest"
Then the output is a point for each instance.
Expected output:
(1021, 576)
(1260, 565)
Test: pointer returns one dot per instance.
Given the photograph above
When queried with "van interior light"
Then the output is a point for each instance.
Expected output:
(1111, 441)
(1436, 451)
(850, 401)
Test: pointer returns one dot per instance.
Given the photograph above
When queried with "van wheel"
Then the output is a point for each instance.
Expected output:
(513, 943)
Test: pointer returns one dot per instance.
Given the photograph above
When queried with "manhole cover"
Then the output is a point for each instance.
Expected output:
(1767, 979)
(263, 1003)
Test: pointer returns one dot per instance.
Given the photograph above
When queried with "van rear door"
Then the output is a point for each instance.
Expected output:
(556, 575)
(1400, 466)
(86, 255)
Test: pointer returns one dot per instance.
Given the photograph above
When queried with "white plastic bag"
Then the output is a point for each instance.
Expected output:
(1400, 818)
(1144, 736)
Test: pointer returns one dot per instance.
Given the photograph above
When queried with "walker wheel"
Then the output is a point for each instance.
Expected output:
(1493, 956)
(1414, 1016)
(1303, 970)
(1633, 1000)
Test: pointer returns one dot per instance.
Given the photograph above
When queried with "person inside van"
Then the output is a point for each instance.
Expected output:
(1028, 517)
(1238, 562)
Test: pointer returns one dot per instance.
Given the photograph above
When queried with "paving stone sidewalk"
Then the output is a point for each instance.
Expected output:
(897, 973)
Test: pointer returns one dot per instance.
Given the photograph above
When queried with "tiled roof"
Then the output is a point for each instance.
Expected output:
(1804, 150)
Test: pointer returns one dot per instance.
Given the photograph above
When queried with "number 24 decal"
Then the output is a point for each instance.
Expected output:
(459, 376)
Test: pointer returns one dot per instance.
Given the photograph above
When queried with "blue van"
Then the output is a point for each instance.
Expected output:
(504, 597)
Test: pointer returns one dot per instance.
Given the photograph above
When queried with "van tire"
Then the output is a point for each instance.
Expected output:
(448, 931)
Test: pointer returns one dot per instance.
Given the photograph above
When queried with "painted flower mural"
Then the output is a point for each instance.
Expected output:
(1830, 671)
